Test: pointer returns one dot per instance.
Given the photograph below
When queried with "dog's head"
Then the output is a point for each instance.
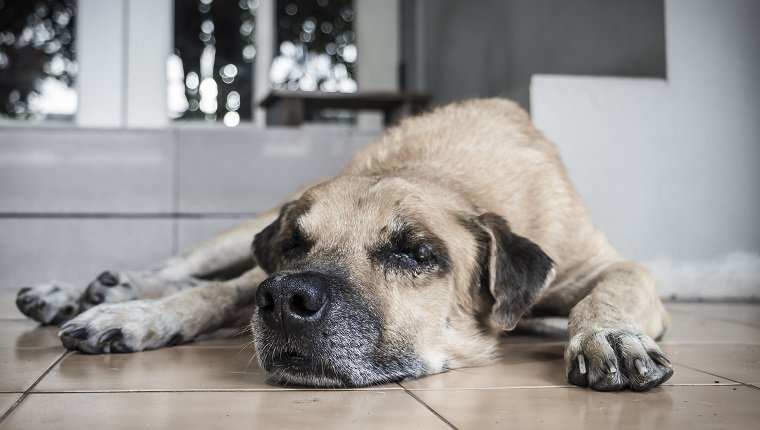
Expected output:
(381, 279)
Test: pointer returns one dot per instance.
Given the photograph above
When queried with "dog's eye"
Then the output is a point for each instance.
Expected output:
(422, 254)
(418, 256)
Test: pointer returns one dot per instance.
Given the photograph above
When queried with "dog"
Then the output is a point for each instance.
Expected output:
(435, 239)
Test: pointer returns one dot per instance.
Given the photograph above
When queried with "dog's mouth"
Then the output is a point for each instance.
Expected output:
(293, 367)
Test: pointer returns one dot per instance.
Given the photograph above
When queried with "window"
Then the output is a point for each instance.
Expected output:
(38, 65)
(316, 46)
(210, 75)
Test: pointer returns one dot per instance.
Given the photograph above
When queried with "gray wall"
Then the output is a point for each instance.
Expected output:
(670, 168)
(76, 201)
(457, 49)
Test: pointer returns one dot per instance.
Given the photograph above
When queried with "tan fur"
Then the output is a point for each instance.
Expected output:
(479, 156)
(443, 171)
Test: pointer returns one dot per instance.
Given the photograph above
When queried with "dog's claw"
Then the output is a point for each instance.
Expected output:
(641, 367)
(582, 364)
(662, 360)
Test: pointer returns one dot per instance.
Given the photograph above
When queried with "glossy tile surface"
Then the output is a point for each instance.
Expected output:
(738, 362)
(7, 400)
(8, 309)
(212, 382)
(282, 409)
(27, 334)
(575, 408)
(21, 367)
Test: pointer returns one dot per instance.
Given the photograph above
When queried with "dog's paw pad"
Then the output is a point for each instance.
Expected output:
(109, 287)
(49, 303)
(612, 360)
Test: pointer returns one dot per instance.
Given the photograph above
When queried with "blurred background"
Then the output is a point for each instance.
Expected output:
(132, 129)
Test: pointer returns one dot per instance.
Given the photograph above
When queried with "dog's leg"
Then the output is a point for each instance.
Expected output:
(221, 257)
(140, 325)
(611, 331)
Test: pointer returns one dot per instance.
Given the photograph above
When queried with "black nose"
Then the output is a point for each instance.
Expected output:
(292, 302)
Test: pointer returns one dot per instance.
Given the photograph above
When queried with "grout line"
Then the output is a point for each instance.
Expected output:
(223, 390)
(433, 411)
(716, 375)
(31, 387)
(133, 215)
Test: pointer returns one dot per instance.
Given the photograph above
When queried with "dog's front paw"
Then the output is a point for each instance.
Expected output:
(121, 327)
(110, 287)
(50, 303)
(619, 359)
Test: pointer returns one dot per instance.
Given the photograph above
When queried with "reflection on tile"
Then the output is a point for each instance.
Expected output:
(688, 328)
(742, 313)
(27, 334)
(77, 250)
(48, 170)
(520, 366)
(192, 232)
(736, 362)
(249, 170)
(21, 367)
(575, 408)
(178, 368)
(532, 365)
(281, 409)
(7, 400)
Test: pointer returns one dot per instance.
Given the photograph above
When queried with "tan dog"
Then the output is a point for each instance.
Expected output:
(436, 238)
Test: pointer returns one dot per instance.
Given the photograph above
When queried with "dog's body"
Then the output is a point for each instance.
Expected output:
(437, 237)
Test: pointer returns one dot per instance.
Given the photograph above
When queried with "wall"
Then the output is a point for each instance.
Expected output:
(74, 202)
(457, 49)
(670, 168)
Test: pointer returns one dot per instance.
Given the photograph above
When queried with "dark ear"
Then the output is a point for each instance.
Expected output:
(516, 271)
(265, 251)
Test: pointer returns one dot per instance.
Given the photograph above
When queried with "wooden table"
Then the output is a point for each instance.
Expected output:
(292, 107)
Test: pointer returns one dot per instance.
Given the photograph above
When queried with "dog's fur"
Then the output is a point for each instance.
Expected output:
(435, 239)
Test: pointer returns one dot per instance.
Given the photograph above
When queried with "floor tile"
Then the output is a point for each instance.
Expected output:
(282, 410)
(742, 313)
(688, 328)
(21, 367)
(7, 400)
(27, 334)
(577, 408)
(178, 368)
(8, 309)
(737, 362)
(533, 365)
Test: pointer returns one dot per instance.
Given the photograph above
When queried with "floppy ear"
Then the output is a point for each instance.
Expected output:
(515, 271)
(262, 246)
(265, 252)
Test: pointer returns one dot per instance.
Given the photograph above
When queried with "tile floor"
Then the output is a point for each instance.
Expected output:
(715, 348)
